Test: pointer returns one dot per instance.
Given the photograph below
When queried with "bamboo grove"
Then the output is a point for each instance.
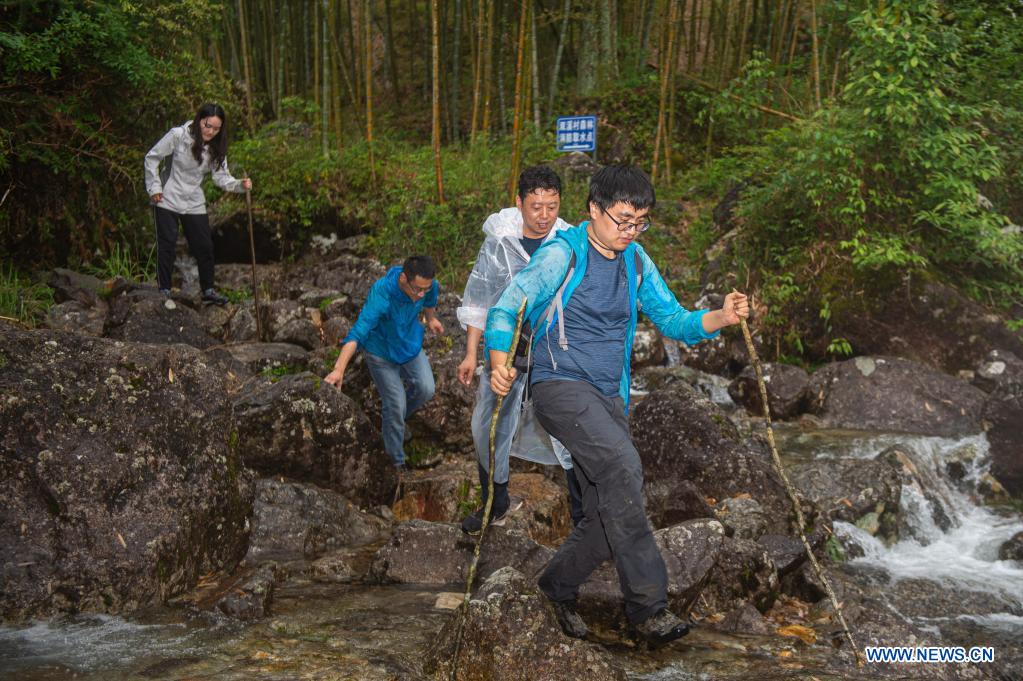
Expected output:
(495, 66)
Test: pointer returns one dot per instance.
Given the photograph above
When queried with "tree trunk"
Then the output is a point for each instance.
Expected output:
(392, 65)
(516, 142)
(368, 61)
(816, 54)
(488, 68)
(667, 58)
(533, 70)
(562, 39)
(246, 64)
(435, 52)
(477, 70)
(456, 73)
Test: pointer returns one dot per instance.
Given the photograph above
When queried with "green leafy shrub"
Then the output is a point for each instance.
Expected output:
(21, 299)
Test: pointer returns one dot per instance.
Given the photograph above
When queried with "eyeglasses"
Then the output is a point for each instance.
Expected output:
(419, 290)
(214, 128)
(625, 225)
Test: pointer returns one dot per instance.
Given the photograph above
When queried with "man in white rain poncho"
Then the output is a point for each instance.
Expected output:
(512, 236)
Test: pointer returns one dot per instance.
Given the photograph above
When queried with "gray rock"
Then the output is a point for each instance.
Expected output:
(742, 517)
(742, 573)
(292, 520)
(306, 429)
(250, 597)
(142, 316)
(422, 552)
(846, 489)
(290, 322)
(895, 395)
(120, 484)
(670, 502)
(786, 385)
(511, 634)
(999, 368)
(681, 435)
(1003, 416)
(689, 551)
(75, 317)
(70, 285)
(787, 553)
(1012, 549)
(647, 347)
(271, 358)
(746, 619)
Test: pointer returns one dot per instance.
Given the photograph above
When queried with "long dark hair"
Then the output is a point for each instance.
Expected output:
(217, 145)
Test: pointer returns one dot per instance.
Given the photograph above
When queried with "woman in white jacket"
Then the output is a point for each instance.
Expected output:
(189, 152)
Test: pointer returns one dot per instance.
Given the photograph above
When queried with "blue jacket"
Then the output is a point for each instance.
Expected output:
(388, 324)
(539, 281)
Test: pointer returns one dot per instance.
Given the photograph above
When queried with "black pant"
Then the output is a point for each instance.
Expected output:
(200, 243)
(595, 429)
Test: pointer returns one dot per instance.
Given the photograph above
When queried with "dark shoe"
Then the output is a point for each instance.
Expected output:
(664, 627)
(571, 623)
(472, 524)
(211, 296)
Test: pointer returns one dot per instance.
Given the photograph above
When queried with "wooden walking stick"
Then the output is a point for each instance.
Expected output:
(800, 520)
(252, 248)
(492, 460)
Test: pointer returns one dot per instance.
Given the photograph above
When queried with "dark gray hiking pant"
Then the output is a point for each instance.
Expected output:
(595, 429)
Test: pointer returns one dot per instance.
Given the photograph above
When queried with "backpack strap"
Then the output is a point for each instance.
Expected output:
(557, 307)
(639, 277)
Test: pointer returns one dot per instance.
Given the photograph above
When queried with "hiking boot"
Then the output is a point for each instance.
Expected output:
(571, 623)
(472, 524)
(664, 627)
(211, 296)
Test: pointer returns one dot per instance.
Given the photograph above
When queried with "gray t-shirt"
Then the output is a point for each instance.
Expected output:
(596, 321)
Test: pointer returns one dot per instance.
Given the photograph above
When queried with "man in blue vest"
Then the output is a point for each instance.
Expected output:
(389, 331)
(580, 383)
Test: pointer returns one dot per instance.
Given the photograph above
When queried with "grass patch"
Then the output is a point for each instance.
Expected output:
(275, 373)
(21, 299)
(122, 262)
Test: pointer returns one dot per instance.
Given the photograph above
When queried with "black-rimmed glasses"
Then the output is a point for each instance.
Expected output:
(625, 225)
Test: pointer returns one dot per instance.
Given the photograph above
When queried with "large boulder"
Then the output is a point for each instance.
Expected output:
(742, 573)
(447, 415)
(69, 285)
(682, 436)
(301, 427)
(892, 394)
(862, 492)
(786, 386)
(271, 359)
(295, 520)
(421, 552)
(120, 483)
(511, 634)
(75, 317)
(1003, 418)
(689, 550)
(146, 316)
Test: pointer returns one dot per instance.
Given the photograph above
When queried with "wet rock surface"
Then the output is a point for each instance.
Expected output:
(681, 435)
(421, 552)
(292, 519)
(303, 428)
(510, 633)
(894, 395)
(787, 390)
(120, 484)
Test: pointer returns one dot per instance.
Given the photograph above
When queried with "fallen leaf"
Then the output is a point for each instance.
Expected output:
(845, 501)
(121, 539)
(170, 374)
(805, 634)
(784, 653)
(928, 407)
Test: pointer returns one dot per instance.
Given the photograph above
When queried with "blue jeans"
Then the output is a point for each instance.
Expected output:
(403, 388)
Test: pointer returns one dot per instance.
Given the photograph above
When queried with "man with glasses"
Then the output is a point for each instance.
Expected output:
(580, 385)
(513, 235)
(389, 331)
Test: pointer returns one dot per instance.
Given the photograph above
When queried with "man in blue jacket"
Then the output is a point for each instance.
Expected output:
(580, 382)
(389, 331)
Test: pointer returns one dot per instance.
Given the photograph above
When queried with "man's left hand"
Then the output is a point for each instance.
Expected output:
(435, 327)
(736, 307)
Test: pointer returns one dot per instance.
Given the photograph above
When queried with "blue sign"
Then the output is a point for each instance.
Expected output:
(577, 133)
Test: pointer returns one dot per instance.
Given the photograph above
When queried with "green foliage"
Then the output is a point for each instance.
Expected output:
(235, 295)
(880, 184)
(122, 262)
(276, 372)
(21, 299)
(468, 497)
(833, 549)
(86, 87)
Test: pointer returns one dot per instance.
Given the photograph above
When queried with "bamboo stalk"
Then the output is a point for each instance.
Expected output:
(534, 78)
(667, 59)
(477, 70)
(246, 64)
(790, 491)
(516, 124)
(435, 25)
(368, 61)
(816, 54)
(488, 68)
(562, 39)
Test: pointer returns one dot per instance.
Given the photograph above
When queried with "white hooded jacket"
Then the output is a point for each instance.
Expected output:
(500, 258)
(182, 192)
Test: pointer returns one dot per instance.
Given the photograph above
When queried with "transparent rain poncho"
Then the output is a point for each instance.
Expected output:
(500, 257)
